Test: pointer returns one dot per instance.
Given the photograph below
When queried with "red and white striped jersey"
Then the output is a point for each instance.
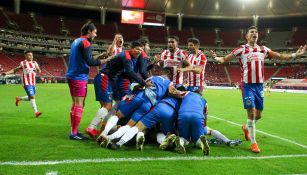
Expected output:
(197, 60)
(28, 69)
(117, 50)
(174, 61)
(252, 62)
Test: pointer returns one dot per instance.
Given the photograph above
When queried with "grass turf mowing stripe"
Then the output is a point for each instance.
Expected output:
(140, 159)
(262, 132)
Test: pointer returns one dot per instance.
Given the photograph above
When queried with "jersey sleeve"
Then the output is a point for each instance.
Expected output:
(237, 52)
(86, 51)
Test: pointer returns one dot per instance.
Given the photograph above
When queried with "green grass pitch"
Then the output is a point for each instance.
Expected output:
(25, 138)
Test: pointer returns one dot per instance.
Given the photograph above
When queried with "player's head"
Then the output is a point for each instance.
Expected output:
(145, 43)
(89, 29)
(252, 34)
(136, 48)
(193, 45)
(28, 55)
(119, 39)
(172, 43)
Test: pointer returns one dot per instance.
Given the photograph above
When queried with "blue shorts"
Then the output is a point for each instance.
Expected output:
(253, 96)
(139, 104)
(123, 87)
(197, 89)
(191, 125)
(103, 88)
(163, 113)
(30, 90)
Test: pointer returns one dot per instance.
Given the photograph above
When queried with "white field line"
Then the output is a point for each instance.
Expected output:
(142, 159)
(262, 132)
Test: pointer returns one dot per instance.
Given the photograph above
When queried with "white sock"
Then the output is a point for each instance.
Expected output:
(120, 132)
(183, 141)
(219, 135)
(160, 137)
(24, 98)
(110, 124)
(128, 135)
(33, 104)
(99, 116)
(252, 130)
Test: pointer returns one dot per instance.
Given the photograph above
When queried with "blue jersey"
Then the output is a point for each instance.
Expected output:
(80, 59)
(160, 87)
(127, 67)
(173, 102)
(193, 102)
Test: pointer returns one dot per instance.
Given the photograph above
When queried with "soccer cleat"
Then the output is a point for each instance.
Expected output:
(17, 101)
(78, 136)
(255, 148)
(140, 143)
(169, 139)
(204, 145)
(246, 133)
(92, 132)
(233, 143)
(179, 148)
(38, 114)
(105, 142)
(215, 141)
(113, 146)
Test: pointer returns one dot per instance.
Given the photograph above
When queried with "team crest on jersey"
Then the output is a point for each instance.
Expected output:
(248, 102)
(171, 63)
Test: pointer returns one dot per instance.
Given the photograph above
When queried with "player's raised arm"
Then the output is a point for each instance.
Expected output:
(275, 55)
(12, 71)
(222, 60)
(173, 92)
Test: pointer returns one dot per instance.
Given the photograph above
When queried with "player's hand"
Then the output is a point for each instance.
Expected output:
(148, 83)
(301, 50)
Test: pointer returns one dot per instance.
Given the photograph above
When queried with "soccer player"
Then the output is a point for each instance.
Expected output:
(112, 83)
(117, 45)
(196, 71)
(80, 61)
(138, 107)
(29, 68)
(251, 58)
(175, 58)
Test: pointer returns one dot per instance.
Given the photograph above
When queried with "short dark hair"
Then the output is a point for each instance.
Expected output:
(27, 51)
(176, 38)
(193, 40)
(135, 44)
(143, 41)
(89, 26)
(251, 27)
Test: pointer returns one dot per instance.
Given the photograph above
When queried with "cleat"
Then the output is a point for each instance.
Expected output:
(169, 140)
(101, 138)
(233, 143)
(140, 143)
(92, 132)
(105, 142)
(255, 148)
(77, 136)
(179, 148)
(215, 141)
(38, 114)
(113, 146)
(246, 133)
(204, 145)
(17, 101)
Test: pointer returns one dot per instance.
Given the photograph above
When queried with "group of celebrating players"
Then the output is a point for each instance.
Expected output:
(164, 93)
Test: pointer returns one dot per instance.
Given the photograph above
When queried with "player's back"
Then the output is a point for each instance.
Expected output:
(192, 102)
(161, 85)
